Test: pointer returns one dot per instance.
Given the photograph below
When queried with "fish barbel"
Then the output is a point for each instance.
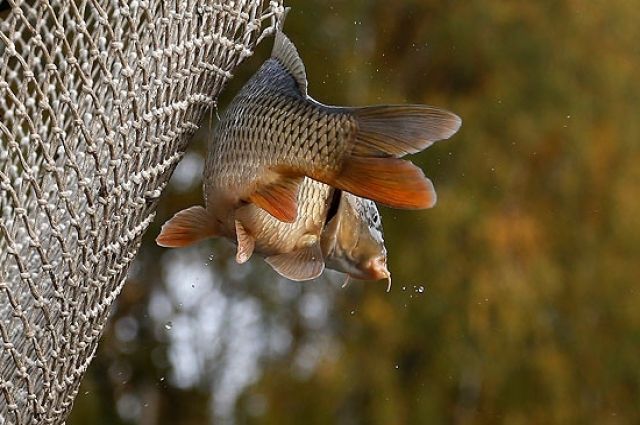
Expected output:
(273, 135)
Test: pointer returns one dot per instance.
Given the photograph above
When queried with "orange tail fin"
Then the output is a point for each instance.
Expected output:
(187, 227)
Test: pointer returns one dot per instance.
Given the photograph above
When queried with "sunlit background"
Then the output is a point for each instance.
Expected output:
(515, 300)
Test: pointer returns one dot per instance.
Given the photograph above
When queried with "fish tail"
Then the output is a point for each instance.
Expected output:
(373, 169)
(187, 227)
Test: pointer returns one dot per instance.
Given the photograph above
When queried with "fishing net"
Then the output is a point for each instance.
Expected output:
(98, 99)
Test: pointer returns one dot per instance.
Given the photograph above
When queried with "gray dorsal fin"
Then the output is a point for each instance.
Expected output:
(303, 264)
(285, 52)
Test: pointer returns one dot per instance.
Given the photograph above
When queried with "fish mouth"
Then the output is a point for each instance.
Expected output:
(375, 269)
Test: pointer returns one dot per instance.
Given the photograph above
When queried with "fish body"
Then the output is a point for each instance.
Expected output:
(268, 139)
(277, 156)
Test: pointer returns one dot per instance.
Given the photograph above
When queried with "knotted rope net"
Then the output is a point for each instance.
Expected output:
(98, 99)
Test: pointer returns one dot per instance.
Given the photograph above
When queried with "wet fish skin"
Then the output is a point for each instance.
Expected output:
(276, 237)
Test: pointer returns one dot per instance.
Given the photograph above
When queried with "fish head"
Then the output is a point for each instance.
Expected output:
(352, 240)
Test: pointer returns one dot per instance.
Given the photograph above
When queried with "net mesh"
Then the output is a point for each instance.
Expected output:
(98, 99)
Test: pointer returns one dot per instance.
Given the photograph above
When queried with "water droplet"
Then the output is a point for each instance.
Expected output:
(420, 289)
(353, 312)
(168, 326)
(162, 379)
(397, 366)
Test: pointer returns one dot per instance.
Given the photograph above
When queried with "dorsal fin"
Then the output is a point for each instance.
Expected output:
(285, 52)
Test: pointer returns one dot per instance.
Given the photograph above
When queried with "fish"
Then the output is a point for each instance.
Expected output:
(274, 140)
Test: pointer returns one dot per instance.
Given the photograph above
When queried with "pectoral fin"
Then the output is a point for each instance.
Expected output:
(246, 244)
(187, 227)
(279, 198)
(303, 264)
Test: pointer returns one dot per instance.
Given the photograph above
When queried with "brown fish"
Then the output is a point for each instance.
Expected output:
(273, 134)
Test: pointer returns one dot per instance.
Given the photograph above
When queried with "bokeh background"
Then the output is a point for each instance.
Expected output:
(515, 300)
